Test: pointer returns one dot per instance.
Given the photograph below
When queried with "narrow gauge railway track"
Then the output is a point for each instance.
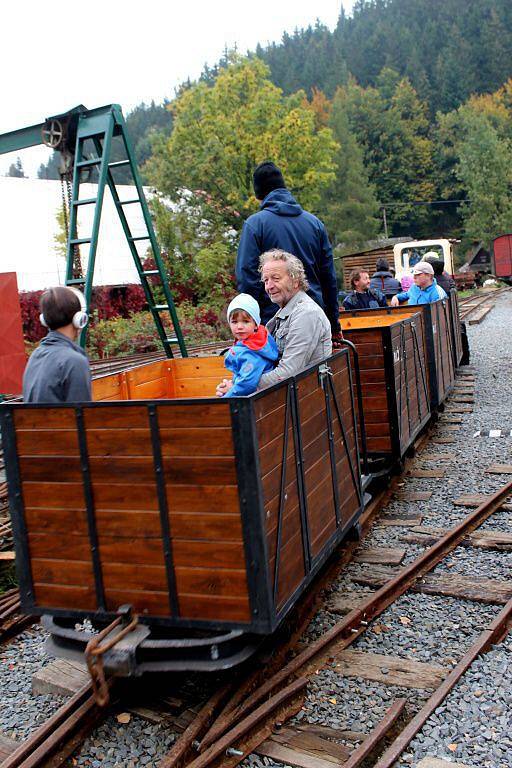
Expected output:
(247, 711)
(471, 303)
(264, 714)
(60, 736)
(240, 716)
(224, 735)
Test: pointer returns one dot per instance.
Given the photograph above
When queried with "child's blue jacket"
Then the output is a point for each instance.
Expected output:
(250, 359)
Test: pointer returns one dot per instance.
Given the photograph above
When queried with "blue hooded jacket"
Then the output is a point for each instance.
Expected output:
(282, 223)
(416, 296)
(249, 360)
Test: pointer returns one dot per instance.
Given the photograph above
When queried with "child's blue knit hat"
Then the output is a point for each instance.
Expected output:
(246, 303)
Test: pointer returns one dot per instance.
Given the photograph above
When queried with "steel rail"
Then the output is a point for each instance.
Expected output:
(355, 623)
(232, 736)
(374, 738)
(494, 634)
(78, 713)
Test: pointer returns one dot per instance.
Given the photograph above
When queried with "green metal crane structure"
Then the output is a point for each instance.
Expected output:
(84, 139)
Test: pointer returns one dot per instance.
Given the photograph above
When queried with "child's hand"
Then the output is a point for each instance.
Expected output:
(223, 387)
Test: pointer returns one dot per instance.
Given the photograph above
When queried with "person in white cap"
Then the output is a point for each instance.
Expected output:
(425, 289)
(254, 351)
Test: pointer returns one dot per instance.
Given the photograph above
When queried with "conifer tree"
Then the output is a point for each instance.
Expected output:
(350, 206)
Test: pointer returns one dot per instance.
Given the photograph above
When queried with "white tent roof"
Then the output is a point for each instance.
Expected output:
(29, 210)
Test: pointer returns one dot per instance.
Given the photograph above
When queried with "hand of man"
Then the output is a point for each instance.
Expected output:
(395, 302)
(337, 340)
(223, 387)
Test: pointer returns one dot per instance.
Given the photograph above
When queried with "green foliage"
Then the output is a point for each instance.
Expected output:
(222, 132)
(485, 170)
(199, 252)
(474, 151)
(138, 334)
(60, 241)
(448, 50)
(390, 122)
(50, 169)
(350, 206)
(310, 58)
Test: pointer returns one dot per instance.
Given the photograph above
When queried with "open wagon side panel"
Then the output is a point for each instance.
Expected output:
(394, 377)
(456, 328)
(409, 379)
(440, 351)
(136, 503)
(309, 461)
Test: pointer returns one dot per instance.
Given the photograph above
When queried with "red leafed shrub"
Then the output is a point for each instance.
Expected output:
(122, 301)
(29, 304)
(107, 302)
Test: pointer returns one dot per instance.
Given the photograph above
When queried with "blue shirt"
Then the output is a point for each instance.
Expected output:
(415, 295)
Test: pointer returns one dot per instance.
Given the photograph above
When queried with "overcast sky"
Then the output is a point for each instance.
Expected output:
(99, 52)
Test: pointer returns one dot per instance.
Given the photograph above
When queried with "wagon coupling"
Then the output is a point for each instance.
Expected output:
(94, 657)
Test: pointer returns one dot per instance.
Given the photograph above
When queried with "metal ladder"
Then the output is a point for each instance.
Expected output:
(100, 126)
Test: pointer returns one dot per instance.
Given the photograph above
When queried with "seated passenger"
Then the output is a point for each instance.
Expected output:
(254, 351)
(384, 281)
(425, 289)
(443, 279)
(362, 296)
(58, 370)
(406, 281)
(300, 326)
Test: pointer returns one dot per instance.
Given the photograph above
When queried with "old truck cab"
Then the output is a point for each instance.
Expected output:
(406, 255)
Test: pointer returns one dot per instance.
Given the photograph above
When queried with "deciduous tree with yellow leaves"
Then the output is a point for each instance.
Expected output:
(222, 131)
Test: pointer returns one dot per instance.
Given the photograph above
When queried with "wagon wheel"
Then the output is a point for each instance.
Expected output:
(52, 133)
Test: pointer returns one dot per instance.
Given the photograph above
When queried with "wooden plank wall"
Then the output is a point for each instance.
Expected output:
(369, 343)
(188, 377)
(202, 496)
(443, 341)
(319, 495)
(411, 377)
(366, 260)
(456, 327)
(270, 428)
(316, 459)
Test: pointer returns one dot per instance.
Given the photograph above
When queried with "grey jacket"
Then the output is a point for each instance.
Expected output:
(303, 336)
(57, 372)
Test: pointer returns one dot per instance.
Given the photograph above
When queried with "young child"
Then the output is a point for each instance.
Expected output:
(254, 351)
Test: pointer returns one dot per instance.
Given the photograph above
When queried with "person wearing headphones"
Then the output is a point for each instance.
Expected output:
(58, 370)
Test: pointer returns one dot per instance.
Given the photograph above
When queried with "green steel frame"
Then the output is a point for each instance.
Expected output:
(99, 126)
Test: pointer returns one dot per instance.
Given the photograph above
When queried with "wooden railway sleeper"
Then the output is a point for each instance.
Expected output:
(94, 657)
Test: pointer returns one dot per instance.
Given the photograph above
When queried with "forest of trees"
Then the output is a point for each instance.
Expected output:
(405, 105)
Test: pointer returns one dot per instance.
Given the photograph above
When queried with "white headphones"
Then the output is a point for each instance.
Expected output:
(81, 318)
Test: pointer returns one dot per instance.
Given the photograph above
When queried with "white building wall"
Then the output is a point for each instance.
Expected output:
(29, 210)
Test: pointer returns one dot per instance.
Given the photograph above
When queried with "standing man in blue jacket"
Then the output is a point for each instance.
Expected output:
(282, 223)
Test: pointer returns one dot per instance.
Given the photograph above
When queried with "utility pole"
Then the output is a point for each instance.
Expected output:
(385, 222)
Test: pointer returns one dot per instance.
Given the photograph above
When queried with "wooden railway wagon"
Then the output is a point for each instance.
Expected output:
(437, 319)
(441, 327)
(208, 517)
(392, 354)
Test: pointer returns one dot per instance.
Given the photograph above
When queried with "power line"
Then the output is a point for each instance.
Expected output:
(423, 202)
